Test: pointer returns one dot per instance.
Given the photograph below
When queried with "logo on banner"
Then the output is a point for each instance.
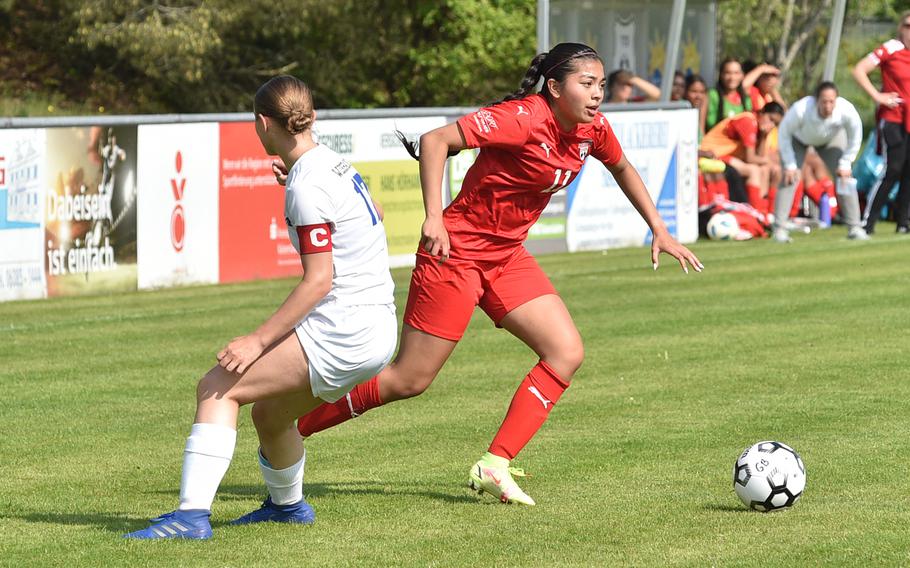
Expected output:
(178, 220)
(583, 149)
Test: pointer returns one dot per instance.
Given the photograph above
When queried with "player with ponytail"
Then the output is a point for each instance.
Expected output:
(471, 253)
(336, 328)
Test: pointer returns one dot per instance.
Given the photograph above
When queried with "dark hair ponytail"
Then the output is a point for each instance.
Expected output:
(554, 64)
(529, 81)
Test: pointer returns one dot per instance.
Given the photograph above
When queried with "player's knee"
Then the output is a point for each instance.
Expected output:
(265, 419)
(411, 386)
(567, 360)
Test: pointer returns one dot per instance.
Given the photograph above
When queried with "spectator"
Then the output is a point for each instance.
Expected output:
(696, 92)
(678, 89)
(893, 121)
(620, 84)
(730, 96)
(765, 88)
(831, 125)
(739, 141)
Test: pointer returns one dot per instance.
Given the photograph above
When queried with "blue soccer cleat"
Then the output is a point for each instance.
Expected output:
(191, 524)
(300, 512)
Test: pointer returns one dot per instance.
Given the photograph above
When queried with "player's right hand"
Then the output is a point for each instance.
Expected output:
(791, 177)
(280, 171)
(434, 238)
(890, 100)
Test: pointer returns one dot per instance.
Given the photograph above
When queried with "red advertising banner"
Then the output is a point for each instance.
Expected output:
(253, 241)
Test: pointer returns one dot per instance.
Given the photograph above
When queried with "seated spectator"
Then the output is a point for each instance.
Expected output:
(716, 177)
(621, 83)
(731, 95)
(696, 92)
(764, 90)
(678, 89)
(739, 141)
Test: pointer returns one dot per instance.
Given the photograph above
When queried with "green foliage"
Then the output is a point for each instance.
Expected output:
(205, 56)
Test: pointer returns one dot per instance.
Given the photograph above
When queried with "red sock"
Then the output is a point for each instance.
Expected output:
(755, 199)
(797, 200)
(363, 397)
(531, 405)
(772, 195)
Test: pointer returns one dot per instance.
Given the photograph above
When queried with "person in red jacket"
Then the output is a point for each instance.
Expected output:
(471, 253)
(893, 57)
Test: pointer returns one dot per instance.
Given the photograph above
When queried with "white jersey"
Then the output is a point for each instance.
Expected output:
(323, 188)
(803, 123)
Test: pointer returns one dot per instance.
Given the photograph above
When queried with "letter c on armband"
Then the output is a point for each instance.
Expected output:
(314, 238)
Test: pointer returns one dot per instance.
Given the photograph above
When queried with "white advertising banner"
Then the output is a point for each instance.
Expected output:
(663, 147)
(177, 225)
(390, 173)
(22, 202)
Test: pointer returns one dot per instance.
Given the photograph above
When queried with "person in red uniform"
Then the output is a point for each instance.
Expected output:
(893, 57)
(471, 253)
(740, 142)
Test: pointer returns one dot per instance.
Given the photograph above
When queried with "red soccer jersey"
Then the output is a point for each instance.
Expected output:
(744, 129)
(524, 159)
(894, 59)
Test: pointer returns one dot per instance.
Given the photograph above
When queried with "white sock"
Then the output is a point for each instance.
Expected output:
(285, 485)
(208, 454)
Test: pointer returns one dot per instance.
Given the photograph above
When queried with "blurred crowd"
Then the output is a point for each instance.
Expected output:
(769, 167)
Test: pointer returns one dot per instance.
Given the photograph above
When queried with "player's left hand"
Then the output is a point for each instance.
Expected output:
(663, 242)
(280, 171)
(240, 353)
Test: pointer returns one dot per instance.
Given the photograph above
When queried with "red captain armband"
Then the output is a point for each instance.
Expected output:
(314, 238)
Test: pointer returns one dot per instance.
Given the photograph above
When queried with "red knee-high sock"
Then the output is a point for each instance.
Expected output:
(755, 198)
(531, 405)
(769, 201)
(797, 200)
(361, 398)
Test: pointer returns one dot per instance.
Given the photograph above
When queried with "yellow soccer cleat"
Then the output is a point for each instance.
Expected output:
(494, 476)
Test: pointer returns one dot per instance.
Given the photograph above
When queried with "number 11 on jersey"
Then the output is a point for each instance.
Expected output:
(557, 183)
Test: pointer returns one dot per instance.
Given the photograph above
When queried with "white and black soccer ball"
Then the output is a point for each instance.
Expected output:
(769, 476)
(722, 227)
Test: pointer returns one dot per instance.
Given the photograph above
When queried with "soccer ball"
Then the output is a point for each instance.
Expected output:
(722, 227)
(769, 476)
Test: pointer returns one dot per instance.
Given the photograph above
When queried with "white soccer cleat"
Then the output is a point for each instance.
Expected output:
(858, 234)
(498, 482)
(781, 235)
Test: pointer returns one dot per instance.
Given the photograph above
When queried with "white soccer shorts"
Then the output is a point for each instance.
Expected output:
(346, 345)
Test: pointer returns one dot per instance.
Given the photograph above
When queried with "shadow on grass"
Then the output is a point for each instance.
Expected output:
(726, 508)
(112, 522)
(122, 523)
(397, 489)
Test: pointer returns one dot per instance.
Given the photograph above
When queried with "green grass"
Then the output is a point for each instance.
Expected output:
(801, 343)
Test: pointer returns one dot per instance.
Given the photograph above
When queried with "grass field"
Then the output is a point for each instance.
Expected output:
(803, 343)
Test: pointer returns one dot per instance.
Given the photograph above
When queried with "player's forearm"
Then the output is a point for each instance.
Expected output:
(433, 153)
(861, 76)
(302, 299)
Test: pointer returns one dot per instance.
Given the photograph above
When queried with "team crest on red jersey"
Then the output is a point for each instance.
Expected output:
(583, 149)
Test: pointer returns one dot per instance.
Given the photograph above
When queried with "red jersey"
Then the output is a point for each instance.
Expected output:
(894, 59)
(525, 157)
(732, 136)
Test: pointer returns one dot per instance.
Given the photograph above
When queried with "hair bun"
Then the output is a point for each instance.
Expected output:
(299, 120)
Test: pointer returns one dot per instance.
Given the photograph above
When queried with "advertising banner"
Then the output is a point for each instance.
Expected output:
(389, 171)
(90, 209)
(253, 242)
(22, 169)
(663, 147)
(177, 224)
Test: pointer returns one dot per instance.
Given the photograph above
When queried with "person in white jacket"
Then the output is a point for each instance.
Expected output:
(831, 125)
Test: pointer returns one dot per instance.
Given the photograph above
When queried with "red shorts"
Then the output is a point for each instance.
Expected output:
(442, 297)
